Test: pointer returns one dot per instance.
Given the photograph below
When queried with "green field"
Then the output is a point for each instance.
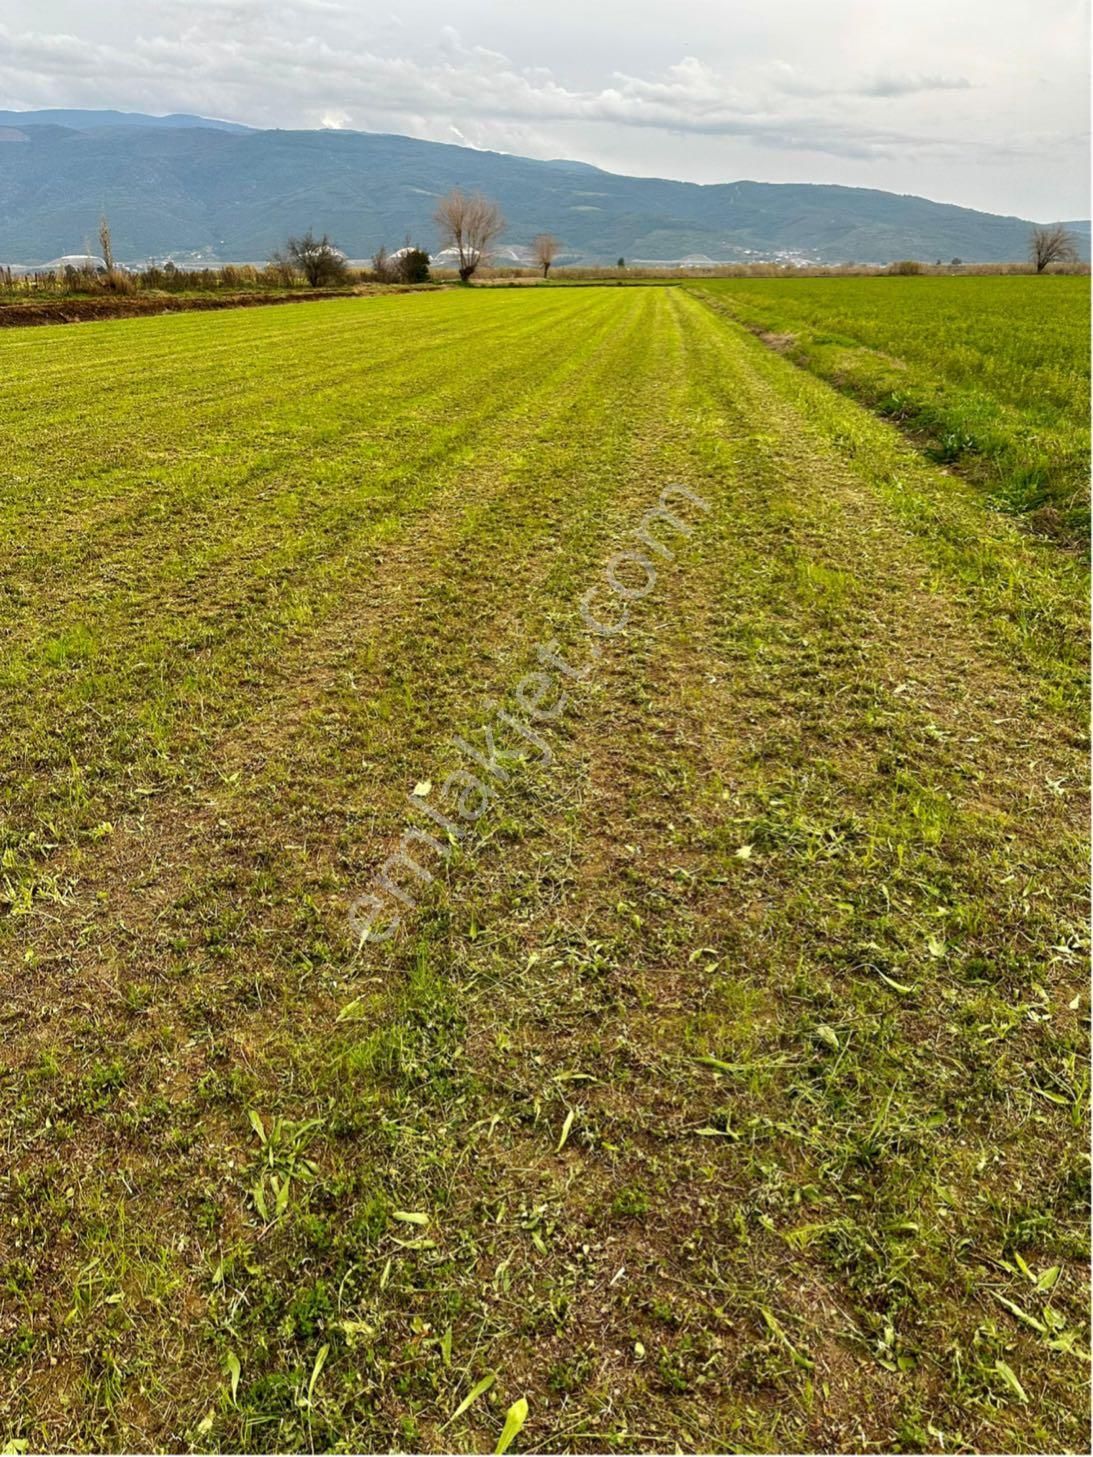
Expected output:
(992, 374)
(726, 1088)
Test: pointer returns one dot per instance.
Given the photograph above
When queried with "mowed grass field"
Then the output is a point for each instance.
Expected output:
(727, 1087)
(990, 373)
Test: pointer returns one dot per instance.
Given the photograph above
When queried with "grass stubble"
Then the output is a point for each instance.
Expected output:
(728, 1090)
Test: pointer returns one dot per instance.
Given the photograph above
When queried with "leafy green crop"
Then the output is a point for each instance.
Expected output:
(992, 373)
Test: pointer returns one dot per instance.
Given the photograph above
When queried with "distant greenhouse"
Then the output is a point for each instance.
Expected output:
(81, 262)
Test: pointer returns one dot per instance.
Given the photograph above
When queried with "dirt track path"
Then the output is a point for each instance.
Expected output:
(733, 1063)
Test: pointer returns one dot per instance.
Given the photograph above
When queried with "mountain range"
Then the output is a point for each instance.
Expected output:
(191, 187)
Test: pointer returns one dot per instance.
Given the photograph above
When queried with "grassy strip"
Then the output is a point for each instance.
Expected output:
(1034, 602)
(990, 375)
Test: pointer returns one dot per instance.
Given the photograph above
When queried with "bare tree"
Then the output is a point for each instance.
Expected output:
(545, 247)
(470, 225)
(381, 264)
(1052, 244)
(106, 246)
(280, 268)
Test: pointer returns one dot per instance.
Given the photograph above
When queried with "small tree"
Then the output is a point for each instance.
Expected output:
(408, 265)
(470, 225)
(1053, 244)
(106, 245)
(382, 269)
(316, 258)
(545, 248)
(621, 263)
(413, 265)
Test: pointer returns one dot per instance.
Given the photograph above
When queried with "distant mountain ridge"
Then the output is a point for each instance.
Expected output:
(93, 120)
(190, 186)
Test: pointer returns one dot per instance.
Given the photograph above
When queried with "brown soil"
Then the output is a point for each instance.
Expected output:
(79, 310)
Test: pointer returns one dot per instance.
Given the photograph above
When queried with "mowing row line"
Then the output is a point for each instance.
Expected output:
(728, 1081)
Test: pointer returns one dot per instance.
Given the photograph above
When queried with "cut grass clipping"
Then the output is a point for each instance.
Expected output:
(728, 1090)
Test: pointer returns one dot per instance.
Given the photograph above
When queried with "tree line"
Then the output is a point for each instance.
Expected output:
(471, 225)
(468, 223)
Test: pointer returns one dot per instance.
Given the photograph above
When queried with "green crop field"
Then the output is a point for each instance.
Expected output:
(724, 1083)
(992, 373)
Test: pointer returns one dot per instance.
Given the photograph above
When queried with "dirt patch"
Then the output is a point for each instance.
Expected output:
(79, 310)
(780, 342)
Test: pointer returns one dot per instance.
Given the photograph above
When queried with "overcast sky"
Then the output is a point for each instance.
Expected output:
(981, 102)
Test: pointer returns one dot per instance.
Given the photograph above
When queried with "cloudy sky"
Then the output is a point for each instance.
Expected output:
(981, 102)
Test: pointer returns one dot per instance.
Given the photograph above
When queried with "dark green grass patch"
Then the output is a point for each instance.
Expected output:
(990, 374)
